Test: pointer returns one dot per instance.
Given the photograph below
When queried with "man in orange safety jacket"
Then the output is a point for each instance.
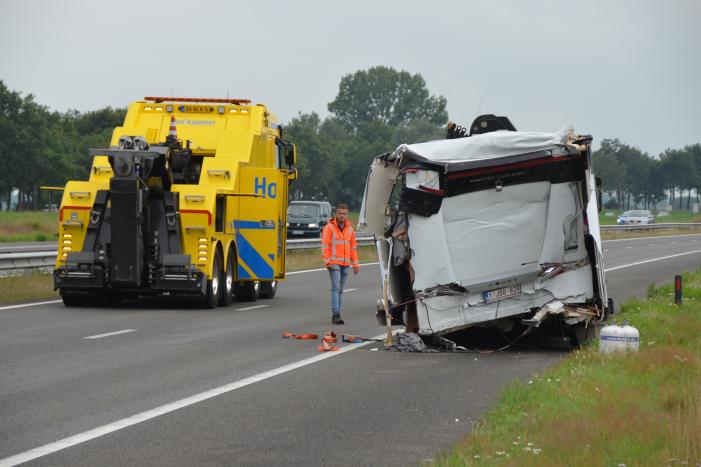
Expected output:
(339, 251)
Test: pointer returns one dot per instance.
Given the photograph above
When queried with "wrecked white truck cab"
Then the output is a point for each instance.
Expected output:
(498, 228)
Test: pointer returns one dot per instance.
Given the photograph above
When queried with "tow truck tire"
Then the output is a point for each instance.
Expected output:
(227, 282)
(70, 299)
(247, 291)
(211, 297)
(267, 289)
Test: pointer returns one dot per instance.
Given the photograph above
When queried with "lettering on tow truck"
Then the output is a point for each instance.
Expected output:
(264, 187)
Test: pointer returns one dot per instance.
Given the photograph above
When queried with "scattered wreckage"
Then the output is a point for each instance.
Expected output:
(495, 228)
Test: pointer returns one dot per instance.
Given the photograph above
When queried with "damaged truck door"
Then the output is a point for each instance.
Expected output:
(495, 228)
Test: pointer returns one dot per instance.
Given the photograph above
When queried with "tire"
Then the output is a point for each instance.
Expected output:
(71, 300)
(267, 289)
(247, 291)
(211, 297)
(227, 282)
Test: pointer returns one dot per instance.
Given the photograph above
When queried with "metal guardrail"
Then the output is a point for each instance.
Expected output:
(46, 259)
(10, 262)
(677, 225)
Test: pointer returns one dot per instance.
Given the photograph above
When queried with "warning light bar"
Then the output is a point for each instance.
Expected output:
(197, 99)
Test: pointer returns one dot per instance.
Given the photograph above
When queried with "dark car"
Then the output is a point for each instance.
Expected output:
(307, 218)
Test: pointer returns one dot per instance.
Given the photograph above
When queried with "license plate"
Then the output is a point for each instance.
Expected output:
(498, 294)
(297, 232)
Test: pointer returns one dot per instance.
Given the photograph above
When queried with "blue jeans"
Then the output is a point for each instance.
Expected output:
(338, 276)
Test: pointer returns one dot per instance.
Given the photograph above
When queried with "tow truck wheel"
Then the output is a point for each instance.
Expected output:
(70, 299)
(267, 289)
(227, 282)
(211, 297)
(247, 291)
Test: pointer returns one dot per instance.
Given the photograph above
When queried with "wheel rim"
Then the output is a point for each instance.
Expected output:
(215, 278)
(229, 278)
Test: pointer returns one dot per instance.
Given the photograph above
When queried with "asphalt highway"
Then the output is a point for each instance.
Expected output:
(170, 384)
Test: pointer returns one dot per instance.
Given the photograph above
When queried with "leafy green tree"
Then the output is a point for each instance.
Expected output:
(385, 95)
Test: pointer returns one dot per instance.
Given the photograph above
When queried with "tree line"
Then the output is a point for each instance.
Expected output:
(633, 178)
(373, 112)
(42, 147)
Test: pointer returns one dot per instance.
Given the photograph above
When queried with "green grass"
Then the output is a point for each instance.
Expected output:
(674, 216)
(591, 409)
(28, 226)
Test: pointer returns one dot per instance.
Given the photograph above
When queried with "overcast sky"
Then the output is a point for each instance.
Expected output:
(616, 69)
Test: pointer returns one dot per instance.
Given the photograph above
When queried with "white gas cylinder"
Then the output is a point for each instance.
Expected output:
(615, 338)
(631, 336)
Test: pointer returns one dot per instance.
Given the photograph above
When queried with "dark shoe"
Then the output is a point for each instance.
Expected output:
(337, 319)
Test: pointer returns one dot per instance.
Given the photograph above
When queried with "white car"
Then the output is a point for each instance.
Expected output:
(640, 216)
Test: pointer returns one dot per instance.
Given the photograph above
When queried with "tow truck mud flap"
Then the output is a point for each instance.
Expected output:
(80, 272)
(179, 275)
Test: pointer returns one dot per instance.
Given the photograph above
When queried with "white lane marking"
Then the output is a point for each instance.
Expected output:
(674, 243)
(349, 290)
(254, 307)
(167, 408)
(652, 260)
(628, 247)
(648, 238)
(605, 251)
(324, 269)
(11, 307)
(653, 244)
(107, 334)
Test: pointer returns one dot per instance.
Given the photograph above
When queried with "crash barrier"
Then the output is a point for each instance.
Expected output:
(677, 225)
(45, 259)
(37, 259)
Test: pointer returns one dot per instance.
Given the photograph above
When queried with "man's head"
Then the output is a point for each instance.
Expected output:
(341, 212)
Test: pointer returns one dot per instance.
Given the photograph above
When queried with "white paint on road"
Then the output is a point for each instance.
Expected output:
(349, 290)
(108, 334)
(652, 260)
(167, 408)
(11, 307)
(628, 247)
(254, 307)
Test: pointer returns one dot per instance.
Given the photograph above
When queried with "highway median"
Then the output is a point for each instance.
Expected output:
(639, 408)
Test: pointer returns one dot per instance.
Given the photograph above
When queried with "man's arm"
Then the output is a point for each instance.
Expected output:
(326, 245)
(354, 252)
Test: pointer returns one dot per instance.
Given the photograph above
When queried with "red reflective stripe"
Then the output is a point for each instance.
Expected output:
(502, 168)
(75, 208)
(198, 211)
(196, 99)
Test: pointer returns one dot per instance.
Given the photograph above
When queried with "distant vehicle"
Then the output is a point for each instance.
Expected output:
(307, 218)
(640, 216)
(50, 207)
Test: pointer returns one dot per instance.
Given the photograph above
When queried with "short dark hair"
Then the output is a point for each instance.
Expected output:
(341, 206)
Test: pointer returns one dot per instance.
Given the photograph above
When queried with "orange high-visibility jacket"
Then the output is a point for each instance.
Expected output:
(339, 247)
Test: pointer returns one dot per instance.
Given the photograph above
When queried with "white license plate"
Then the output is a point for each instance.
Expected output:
(297, 232)
(498, 294)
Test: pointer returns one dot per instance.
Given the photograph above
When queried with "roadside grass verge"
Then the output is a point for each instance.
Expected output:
(674, 216)
(25, 226)
(647, 233)
(626, 409)
(39, 285)
(27, 287)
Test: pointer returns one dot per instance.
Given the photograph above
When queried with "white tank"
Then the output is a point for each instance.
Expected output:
(615, 338)
(631, 336)
(609, 338)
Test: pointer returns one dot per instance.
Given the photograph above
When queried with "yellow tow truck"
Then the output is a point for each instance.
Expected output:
(189, 199)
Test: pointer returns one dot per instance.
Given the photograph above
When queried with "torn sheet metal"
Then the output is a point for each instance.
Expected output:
(492, 226)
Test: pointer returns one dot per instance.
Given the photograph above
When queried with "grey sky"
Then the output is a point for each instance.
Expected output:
(625, 69)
